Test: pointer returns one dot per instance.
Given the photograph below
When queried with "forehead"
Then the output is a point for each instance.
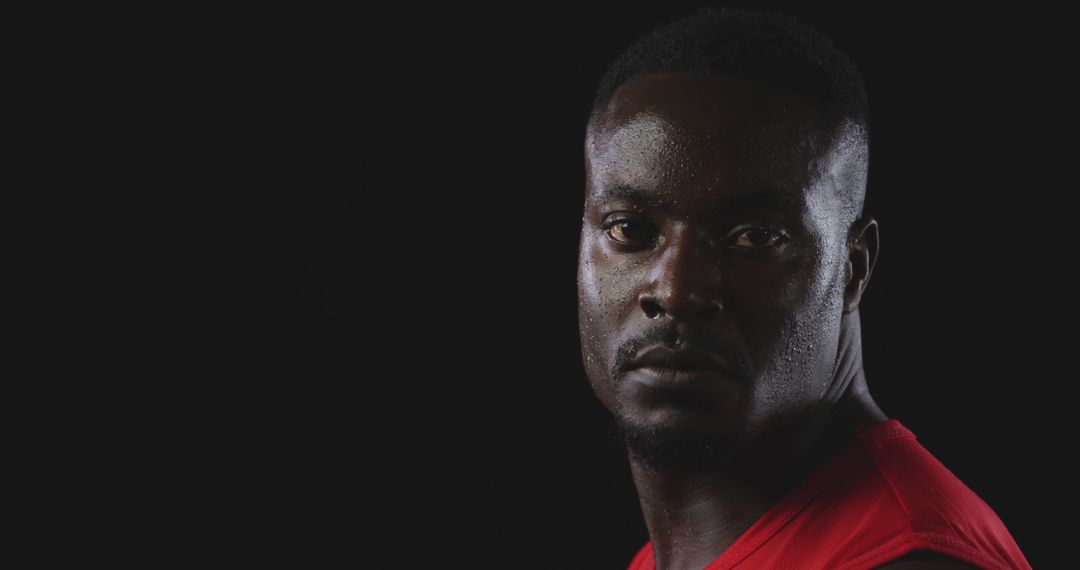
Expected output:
(692, 130)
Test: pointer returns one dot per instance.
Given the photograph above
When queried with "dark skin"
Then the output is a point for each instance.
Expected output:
(715, 214)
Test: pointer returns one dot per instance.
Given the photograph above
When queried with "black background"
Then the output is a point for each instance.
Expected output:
(376, 319)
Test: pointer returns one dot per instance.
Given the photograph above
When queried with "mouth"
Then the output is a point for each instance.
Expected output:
(664, 368)
(661, 378)
(688, 358)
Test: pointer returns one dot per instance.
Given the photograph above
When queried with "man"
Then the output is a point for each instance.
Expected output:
(723, 255)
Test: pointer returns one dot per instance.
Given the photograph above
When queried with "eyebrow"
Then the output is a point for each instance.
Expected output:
(766, 197)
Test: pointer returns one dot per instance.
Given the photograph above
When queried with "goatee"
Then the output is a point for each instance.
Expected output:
(675, 448)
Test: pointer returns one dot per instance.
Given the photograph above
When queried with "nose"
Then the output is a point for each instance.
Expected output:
(684, 282)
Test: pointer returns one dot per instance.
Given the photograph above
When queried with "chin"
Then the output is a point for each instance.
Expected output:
(674, 437)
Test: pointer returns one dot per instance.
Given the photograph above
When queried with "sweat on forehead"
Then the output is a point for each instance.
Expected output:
(666, 125)
(691, 123)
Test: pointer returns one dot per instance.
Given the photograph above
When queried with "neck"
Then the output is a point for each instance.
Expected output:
(693, 515)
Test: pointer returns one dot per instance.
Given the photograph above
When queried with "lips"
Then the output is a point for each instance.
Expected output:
(688, 368)
(688, 358)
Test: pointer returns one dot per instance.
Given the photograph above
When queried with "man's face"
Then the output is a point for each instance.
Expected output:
(712, 235)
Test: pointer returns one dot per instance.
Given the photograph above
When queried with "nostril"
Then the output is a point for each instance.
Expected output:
(652, 310)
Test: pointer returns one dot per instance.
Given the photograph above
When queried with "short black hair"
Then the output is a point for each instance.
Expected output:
(767, 46)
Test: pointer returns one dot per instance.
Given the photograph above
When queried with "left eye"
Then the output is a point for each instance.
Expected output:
(758, 237)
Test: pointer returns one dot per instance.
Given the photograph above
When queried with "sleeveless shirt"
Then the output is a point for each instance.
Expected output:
(878, 496)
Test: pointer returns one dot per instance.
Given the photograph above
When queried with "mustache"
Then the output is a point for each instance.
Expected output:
(741, 365)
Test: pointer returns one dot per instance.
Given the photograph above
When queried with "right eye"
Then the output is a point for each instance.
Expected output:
(626, 231)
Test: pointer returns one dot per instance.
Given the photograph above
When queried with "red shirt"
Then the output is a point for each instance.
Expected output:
(877, 497)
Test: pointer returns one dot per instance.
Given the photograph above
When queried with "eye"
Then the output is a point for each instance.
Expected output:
(628, 232)
(758, 237)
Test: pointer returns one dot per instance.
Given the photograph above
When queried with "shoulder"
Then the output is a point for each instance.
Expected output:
(946, 521)
(925, 560)
(932, 498)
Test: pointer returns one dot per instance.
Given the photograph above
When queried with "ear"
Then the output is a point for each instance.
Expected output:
(863, 246)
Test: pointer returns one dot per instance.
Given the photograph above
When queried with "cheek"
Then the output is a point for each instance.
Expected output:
(606, 293)
(791, 335)
(593, 305)
(606, 289)
(786, 312)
